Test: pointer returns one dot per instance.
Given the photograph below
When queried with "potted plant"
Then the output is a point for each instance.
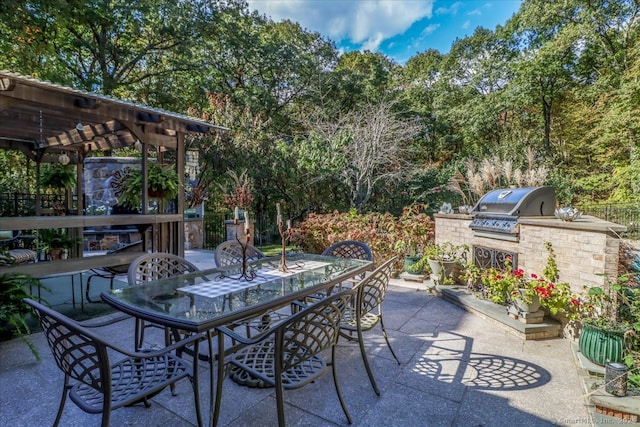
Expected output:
(407, 248)
(56, 242)
(162, 183)
(13, 309)
(472, 276)
(446, 261)
(611, 321)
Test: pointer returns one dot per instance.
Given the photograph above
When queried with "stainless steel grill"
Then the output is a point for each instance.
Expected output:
(496, 214)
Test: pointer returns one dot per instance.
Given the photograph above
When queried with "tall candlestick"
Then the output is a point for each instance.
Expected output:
(288, 224)
(279, 216)
(236, 214)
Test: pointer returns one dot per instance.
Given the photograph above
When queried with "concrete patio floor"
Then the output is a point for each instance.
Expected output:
(457, 369)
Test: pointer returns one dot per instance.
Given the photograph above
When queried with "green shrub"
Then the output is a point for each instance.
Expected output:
(380, 232)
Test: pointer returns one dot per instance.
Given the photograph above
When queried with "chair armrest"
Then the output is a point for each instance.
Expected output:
(107, 322)
(242, 339)
(155, 353)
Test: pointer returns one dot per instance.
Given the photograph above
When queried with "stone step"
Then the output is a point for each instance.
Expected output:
(459, 295)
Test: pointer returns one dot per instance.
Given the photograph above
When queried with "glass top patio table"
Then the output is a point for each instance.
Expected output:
(200, 301)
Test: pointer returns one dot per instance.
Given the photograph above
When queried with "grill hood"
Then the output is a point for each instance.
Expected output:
(528, 201)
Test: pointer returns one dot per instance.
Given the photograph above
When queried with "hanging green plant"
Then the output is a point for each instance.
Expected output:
(56, 175)
(163, 183)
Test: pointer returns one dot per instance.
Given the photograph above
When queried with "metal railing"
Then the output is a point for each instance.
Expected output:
(265, 230)
(627, 214)
(24, 204)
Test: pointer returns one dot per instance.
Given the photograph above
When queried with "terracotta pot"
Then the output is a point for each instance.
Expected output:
(55, 253)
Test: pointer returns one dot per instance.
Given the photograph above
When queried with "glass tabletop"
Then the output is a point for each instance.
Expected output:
(208, 298)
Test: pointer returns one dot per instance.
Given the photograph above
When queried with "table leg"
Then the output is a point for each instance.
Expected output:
(216, 410)
(81, 294)
(73, 292)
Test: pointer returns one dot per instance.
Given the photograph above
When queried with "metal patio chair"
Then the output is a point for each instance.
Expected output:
(360, 317)
(111, 272)
(349, 249)
(287, 356)
(230, 253)
(155, 266)
(100, 377)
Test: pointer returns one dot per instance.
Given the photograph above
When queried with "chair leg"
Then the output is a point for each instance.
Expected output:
(167, 342)
(65, 390)
(86, 291)
(337, 385)
(106, 416)
(280, 399)
(366, 362)
(194, 384)
(139, 334)
(386, 338)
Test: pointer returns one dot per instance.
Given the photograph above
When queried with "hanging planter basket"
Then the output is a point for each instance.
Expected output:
(157, 194)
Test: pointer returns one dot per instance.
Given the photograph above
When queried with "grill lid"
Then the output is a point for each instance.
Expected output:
(527, 201)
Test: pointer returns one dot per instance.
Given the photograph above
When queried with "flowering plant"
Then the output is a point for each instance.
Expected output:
(503, 286)
(617, 307)
(556, 297)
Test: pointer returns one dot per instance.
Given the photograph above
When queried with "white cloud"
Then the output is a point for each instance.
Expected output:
(476, 12)
(364, 22)
(466, 24)
(451, 10)
(429, 29)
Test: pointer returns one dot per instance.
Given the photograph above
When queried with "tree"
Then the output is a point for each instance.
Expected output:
(260, 64)
(363, 150)
(107, 46)
(471, 91)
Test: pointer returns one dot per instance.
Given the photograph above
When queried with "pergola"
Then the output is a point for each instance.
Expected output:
(43, 120)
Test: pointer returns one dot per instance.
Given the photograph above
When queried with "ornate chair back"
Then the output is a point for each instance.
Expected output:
(371, 292)
(349, 249)
(157, 266)
(230, 253)
(150, 267)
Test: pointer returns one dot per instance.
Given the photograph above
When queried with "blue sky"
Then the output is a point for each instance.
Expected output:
(397, 28)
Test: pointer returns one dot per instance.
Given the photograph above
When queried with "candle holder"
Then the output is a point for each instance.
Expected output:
(247, 274)
(286, 236)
